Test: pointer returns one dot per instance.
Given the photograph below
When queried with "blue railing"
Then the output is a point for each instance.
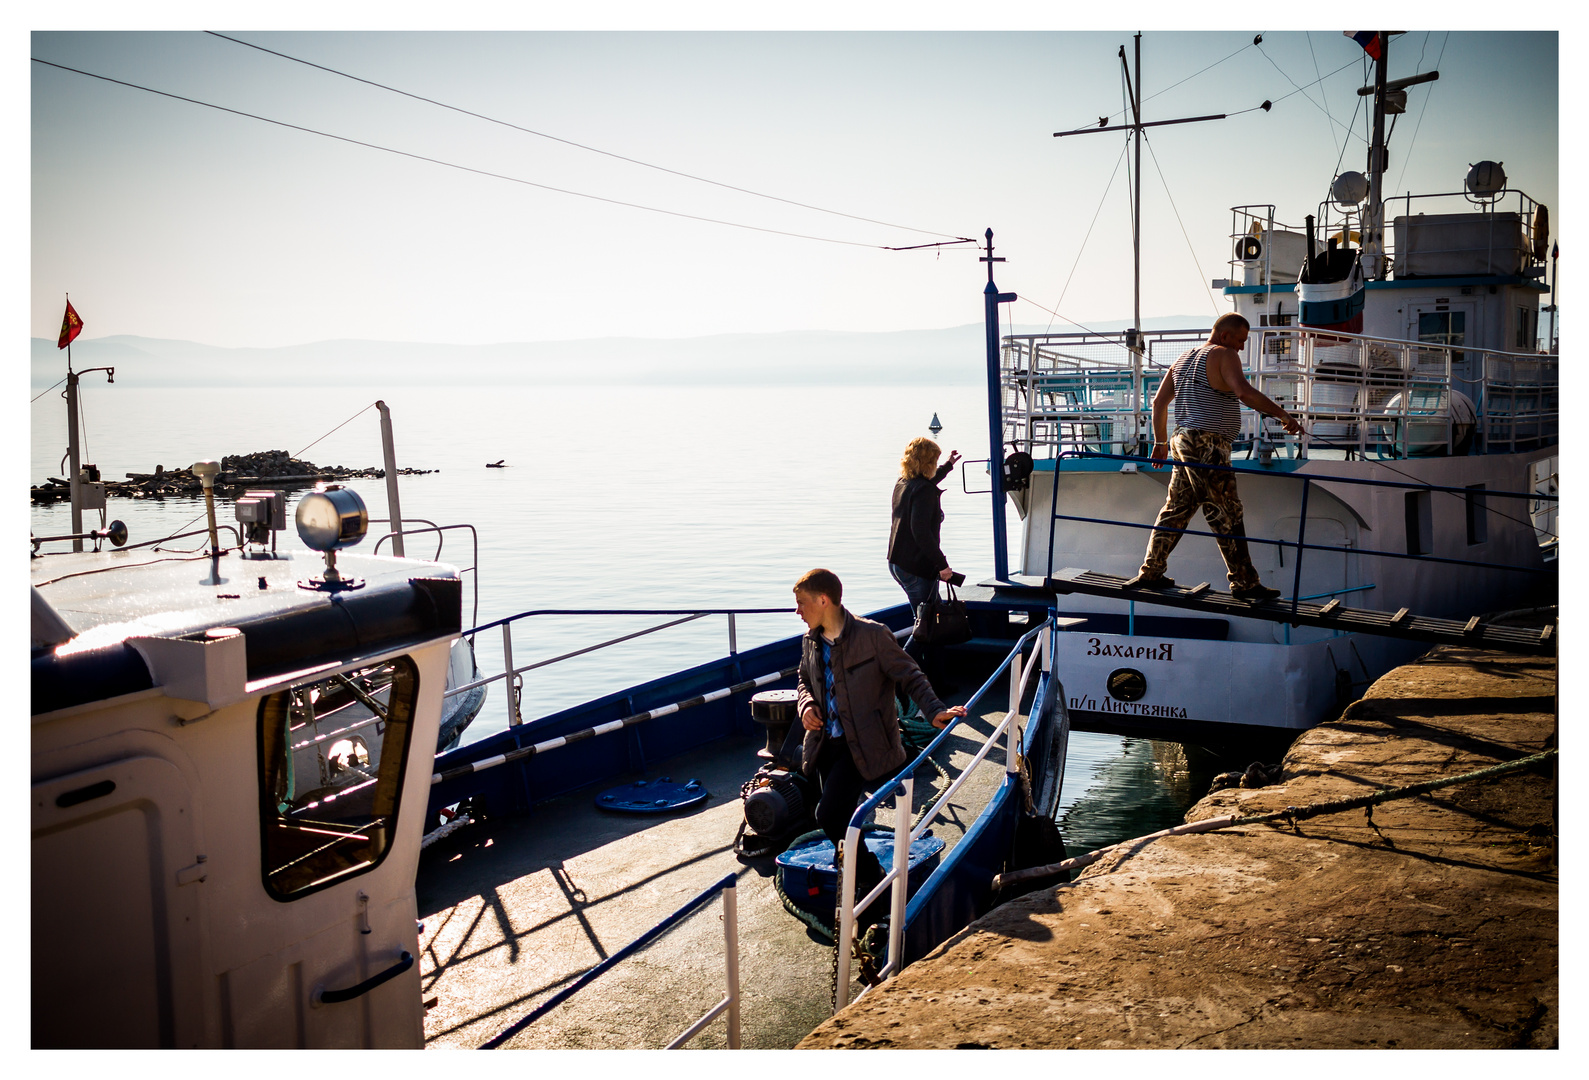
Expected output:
(902, 788)
(510, 673)
(729, 1004)
(1299, 544)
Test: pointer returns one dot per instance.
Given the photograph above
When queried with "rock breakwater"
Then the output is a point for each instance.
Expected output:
(1431, 924)
(264, 469)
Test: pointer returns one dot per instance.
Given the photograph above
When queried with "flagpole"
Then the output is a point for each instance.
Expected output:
(73, 478)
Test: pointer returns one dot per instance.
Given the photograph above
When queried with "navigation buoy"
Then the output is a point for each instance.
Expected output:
(935, 427)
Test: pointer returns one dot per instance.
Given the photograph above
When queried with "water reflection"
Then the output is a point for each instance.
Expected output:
(1117, 788)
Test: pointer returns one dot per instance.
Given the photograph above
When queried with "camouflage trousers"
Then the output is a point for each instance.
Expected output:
(1215, 492)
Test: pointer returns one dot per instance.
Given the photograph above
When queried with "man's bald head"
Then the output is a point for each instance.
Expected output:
(1229, 329)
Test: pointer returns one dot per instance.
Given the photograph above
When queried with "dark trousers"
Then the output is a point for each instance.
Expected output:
(842, 790)
(918, 589)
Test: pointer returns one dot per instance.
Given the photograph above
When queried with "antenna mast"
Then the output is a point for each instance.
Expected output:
(1136, 126)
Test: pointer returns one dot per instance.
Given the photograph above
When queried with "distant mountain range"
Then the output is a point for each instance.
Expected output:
(943, 357)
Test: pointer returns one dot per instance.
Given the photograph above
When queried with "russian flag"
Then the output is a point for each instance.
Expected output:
(1368, 39)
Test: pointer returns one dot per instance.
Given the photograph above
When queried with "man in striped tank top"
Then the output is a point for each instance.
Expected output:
(1208, 388)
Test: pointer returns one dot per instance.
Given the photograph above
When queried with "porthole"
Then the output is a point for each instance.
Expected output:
(1127, 684)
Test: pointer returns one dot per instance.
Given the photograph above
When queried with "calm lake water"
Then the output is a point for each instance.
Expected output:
(620, 497)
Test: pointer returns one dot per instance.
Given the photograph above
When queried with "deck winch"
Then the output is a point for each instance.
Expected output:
(779, 801)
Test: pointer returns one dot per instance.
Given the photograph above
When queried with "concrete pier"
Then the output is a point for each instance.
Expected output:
(1432, 924)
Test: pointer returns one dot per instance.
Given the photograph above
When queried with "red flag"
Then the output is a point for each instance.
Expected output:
(71, 326)
(1368, 39)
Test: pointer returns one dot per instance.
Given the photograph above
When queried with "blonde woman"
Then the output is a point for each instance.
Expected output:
(914, 556)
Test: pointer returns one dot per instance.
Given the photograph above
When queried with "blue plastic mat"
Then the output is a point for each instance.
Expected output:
(809, 879)
(652, 796)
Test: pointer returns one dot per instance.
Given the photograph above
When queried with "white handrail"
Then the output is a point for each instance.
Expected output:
(904, 835)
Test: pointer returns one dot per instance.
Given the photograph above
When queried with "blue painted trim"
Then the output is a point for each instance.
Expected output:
(1112, 465)
(1403, 283)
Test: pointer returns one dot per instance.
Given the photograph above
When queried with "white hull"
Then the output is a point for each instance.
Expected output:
(1268, 674)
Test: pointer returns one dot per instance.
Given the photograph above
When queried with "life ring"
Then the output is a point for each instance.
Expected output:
(1352, 238)
(1541, 232)
(1249, 248)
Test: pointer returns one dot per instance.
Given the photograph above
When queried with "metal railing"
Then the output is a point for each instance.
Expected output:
(1357, 394)
(1299, 544)
(729, 1004)
(512, 674)
(1084, 389)
(440, 530)
(902, 787)
(1513, 240)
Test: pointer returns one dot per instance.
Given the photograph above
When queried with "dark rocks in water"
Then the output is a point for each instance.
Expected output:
(1225, 780)
(264, 468)
(1256, 775)
(1259, 775)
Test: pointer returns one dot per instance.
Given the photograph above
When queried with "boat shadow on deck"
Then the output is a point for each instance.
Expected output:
(514, 909)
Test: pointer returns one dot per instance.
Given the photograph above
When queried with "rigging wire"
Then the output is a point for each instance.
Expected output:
(1407, 157)
(1188, 78)
(1100, 333)
(47, 391)
(1302, 89)
(464, 168)
(1192, 251)
(339, 427)
(571, 142)
(1255, 108)
(1322, 94)
(1107, 188)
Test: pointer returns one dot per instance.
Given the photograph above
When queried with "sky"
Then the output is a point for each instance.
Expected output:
(164, 218)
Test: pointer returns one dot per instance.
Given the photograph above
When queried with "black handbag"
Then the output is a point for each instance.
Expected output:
(942, 622)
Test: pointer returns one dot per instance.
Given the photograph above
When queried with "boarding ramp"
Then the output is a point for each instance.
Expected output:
(1332, 615)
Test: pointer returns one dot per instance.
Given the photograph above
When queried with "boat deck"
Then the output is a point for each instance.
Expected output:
(515, 909)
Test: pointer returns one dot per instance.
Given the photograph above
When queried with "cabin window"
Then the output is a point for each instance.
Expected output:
(1278, 345)
(1420, 524)
(1478, 519)
(1443, 327)
(331, 760)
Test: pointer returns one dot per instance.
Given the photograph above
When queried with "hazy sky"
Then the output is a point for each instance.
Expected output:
(168, 219)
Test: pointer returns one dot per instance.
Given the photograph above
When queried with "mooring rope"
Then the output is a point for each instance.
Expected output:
(1291, 814)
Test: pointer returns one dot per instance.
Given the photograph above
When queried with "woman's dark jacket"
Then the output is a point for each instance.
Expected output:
(913, 535)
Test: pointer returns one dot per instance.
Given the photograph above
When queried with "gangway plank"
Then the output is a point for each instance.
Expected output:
(1529, 640)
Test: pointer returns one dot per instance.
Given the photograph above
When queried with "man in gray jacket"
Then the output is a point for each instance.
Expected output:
(848, 669)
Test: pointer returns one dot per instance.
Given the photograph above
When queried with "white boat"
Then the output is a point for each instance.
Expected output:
(1426, 479)
(229, 788)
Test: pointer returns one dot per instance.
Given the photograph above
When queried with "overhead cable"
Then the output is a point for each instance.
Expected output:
(1079, 251)
(463, 168)
(571, 142)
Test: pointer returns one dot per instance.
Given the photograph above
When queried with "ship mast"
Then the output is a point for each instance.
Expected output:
(1374, 235)
(1137, 124)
